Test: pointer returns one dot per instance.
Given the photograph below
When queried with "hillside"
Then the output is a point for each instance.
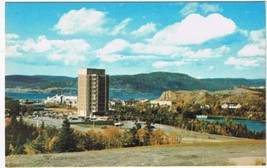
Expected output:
(240, 153)
(128, 86)
(252, 101)
(237, 94)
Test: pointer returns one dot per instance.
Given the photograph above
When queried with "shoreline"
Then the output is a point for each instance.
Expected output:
(235, 117)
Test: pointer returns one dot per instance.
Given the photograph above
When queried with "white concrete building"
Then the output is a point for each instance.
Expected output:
(161, 103)
(62, 99)
(231, 106)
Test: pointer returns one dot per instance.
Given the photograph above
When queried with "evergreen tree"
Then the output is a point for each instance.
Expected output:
(39, 144)
(12, 106)
(66, 141)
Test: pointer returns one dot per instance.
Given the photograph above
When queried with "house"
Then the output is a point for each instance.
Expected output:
(231, 106)
(161, 103)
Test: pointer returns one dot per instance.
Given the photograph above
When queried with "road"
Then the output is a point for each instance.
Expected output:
(47, 121)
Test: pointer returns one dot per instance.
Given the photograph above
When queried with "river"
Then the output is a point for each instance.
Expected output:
(254, 125)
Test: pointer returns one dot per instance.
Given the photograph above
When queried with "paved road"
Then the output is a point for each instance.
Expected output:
(46, 120)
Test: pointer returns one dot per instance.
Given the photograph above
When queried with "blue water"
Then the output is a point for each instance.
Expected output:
(253, 125)
(29, 96)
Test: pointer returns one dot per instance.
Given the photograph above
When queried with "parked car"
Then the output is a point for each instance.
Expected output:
(117, 124)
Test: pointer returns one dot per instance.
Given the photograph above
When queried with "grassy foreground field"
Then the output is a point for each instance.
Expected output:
(246, 152)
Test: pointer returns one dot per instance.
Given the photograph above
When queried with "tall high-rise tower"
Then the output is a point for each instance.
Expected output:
(93, 92)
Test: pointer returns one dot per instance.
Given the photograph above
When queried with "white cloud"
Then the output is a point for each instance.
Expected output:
(210, 8)
(115, 46)
(119, 28)
(12, 51)
(11, 36)
(189, 8)
(251, 50)
(257, 35)
(118, 48)
(12, 45)
(174, 52)
(145, 30)
(208, 53)
(163, 64)
(89, 21)
(41, 45)
(70, 52)
(244, 62)
(200, 8)
(195, 29)
(256, 45)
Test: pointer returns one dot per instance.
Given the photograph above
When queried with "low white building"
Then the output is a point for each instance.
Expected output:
(231, 106)
(62, 99)
(161, 103)
(113, 103)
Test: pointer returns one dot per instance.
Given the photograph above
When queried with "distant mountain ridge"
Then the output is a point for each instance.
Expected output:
(149, 85)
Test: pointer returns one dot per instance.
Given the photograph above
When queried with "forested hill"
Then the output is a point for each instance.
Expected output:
(132, 86)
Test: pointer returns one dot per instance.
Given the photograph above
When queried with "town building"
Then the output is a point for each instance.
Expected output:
(231, 106)
(113, 103)
(35, 106)
(70, 101)
(93, 92)
(161, 102)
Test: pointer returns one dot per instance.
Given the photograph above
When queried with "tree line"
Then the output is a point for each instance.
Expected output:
(22, 138)
(228, 128)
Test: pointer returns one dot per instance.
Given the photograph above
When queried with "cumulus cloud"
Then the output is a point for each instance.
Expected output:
(119, 48)
(115, 46)
(244, 62)
(256, 45)
(89, 21)
(200, 8)
(257, 35)
(119, 28)
(251, 50)
(195, 29)
(38, 46)
(70, 52)
(12, 45)
(145, 30)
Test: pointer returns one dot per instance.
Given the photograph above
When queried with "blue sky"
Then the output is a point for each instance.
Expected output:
(203, 40)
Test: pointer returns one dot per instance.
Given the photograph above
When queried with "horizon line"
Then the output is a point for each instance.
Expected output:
(140, 74)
